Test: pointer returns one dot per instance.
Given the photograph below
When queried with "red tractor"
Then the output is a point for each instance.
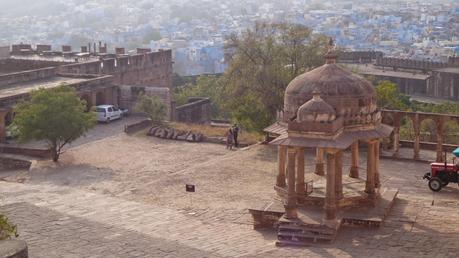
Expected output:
(442, 174)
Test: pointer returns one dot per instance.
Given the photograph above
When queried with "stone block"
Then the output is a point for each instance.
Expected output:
(13, 249)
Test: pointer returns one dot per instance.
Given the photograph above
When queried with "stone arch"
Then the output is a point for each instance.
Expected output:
(100, 98)
(451, 131)
(428, 129)
(407, 127)
(388, 118)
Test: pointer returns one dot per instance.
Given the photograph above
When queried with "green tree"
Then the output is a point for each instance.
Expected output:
(7, 230)
(153, 106)
(56, 116)
(264, 60)
(210, 86)
(388, 96)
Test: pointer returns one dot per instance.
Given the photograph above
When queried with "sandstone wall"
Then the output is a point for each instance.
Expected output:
(409, 63)
(11, 65)
(359, 56)
(147, 69)
(27, 76)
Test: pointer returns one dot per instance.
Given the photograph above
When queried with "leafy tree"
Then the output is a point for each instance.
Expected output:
(56, 116)
(264, 60)
(210, 86)
(153, 106)
(7, 230)
(388, 96)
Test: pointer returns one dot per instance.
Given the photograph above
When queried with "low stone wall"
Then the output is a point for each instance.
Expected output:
(428, 146)
(197, 110)
(135, 127)
(31, 152)
(27, 76)
(10, 163)
(13, 249)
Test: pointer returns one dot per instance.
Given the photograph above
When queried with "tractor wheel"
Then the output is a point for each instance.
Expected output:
(435, 184)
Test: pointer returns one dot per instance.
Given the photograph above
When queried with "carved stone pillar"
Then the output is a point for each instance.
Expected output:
(300, 188)
(291, 203)
(339, 175)
(376, 164)
(370, 182)
(281, 155)
(440, 126)
(330, 197)
(354, 173)
(3, 113)
(320, 162)
(417, 136)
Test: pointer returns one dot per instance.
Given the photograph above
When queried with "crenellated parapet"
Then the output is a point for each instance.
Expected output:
(412, 64)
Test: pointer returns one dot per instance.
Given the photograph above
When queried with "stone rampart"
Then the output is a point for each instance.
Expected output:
(12, 78)
(359, 56)
(411, 64)
(152, 69)
(12, 65)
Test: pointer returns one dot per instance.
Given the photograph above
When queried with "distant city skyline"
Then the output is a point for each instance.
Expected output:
(196, 29)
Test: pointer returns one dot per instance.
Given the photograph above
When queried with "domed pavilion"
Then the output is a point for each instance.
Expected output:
(328, 110)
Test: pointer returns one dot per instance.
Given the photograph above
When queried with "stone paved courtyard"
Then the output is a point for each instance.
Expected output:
(124, 196)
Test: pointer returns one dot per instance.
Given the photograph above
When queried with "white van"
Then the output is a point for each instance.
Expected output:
(107, 113)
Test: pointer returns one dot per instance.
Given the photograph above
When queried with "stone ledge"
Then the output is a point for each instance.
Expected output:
(13, 249)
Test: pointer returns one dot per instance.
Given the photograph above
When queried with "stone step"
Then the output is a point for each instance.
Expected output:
(281, 243)
(305, 228)
(305, 235)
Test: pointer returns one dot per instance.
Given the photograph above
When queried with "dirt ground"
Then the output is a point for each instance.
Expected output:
(154, 171)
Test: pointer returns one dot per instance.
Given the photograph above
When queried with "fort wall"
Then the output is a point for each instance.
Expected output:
(12, 65)
(152, 69)
(412, 64)
(359, 56)
(39, 74)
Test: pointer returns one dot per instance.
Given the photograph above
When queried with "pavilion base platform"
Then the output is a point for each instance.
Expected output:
(308, 228)
(355, 208)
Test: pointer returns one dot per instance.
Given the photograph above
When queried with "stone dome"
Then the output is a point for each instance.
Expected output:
(331, 80)
(350, 95)
(316, 110)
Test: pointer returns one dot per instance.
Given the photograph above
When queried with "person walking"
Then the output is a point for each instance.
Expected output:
(236, 131)
(229, 139)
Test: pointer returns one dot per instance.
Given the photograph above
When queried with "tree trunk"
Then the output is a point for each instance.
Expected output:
(54, 154)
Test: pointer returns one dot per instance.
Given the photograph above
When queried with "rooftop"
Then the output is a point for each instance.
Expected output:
(371, 70)
(25, 87)
(55, 58)
(448, 70)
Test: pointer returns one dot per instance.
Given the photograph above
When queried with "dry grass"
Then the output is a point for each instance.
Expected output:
(214, 131)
